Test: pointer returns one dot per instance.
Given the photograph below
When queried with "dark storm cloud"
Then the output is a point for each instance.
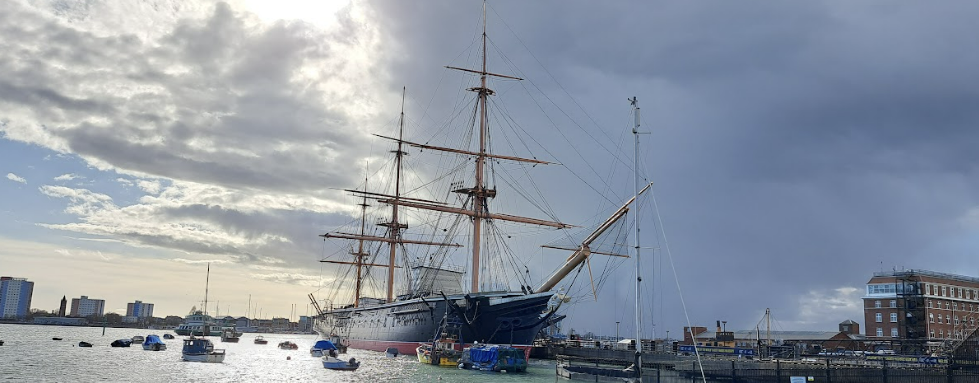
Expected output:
(797, 147)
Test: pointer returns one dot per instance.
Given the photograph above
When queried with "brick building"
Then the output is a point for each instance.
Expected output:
(920, 306)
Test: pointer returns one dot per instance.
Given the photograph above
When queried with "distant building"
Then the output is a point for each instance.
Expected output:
(64, 306)
(60, 321)
(15, 297)
(919, 307)
(139, 309)
(797, 342)
(850, 327)
(305, 323)
(83, 307)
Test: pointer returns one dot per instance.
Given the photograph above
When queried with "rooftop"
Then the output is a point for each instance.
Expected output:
(926, 273)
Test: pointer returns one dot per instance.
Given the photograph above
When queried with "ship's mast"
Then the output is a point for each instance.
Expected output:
(479, 192)
(395, 227)
(635, 133)
(359, 255)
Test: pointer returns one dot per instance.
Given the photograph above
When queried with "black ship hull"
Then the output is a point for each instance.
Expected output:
(511, 318)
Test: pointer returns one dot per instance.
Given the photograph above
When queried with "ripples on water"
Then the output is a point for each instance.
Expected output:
(29, 355)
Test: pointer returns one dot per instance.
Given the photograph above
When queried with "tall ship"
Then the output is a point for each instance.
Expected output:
(505, 308)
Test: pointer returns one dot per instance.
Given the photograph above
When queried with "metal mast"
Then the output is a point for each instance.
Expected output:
(635, 133)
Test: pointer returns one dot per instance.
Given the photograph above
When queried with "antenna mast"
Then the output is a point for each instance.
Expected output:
(635, 133)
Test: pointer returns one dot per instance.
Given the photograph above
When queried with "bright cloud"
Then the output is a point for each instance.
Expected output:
(16, 178)
(67, 177)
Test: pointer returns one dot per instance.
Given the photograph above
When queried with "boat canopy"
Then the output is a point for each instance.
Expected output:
(152, 339)
(324, 345)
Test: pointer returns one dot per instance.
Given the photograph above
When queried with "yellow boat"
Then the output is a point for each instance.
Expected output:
(443, 353)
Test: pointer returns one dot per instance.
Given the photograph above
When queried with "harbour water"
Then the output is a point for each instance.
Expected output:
(29, 354)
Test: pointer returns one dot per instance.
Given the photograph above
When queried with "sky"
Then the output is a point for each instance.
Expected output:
(795, 148)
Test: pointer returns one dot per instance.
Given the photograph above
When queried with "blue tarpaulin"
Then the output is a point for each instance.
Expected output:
(324, 345)
(483, 355)
(151, 339)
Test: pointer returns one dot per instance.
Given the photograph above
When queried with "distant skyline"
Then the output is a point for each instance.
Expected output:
(796, 147)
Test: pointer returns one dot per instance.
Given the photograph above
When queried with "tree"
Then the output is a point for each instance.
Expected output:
(173, 320)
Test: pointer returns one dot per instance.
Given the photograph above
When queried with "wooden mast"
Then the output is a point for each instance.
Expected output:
(395, 226)
(479, 192)
(359, 255)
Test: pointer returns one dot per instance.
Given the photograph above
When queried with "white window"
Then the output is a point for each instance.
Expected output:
(876, 304)
(893, 332)
(955, 306)
(941, 333)
(928, 289)
(893, 303)
(948, 319)
(880, 332)
(879, 317)
(931, 318)
(956, 320)
(944, 291)
(929, 303)
(893, 317)
(932, 334)
(947, 306)
(939, 318)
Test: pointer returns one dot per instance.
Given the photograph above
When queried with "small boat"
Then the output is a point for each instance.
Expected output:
(84, 344)
(440, 353)
(121, 343)
(138, 339)
(153, 343)
(167, 336)
(322, 347)
(331, 362)
(56, 338)
(493, 358)
(287, 345)
(230, 335)
(391, 352)
(201, 350)
(1, 343)
(261, 340)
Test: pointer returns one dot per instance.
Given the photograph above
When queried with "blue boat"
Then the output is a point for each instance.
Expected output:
(494, 358)
(153, 343)
(201, 350)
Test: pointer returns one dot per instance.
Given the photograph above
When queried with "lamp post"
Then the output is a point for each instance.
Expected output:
(616, 331)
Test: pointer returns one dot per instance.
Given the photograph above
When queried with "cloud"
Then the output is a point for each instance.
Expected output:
(16, 178)
(152, 187)
(67, 177)
(215, 99)
(204, 220)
